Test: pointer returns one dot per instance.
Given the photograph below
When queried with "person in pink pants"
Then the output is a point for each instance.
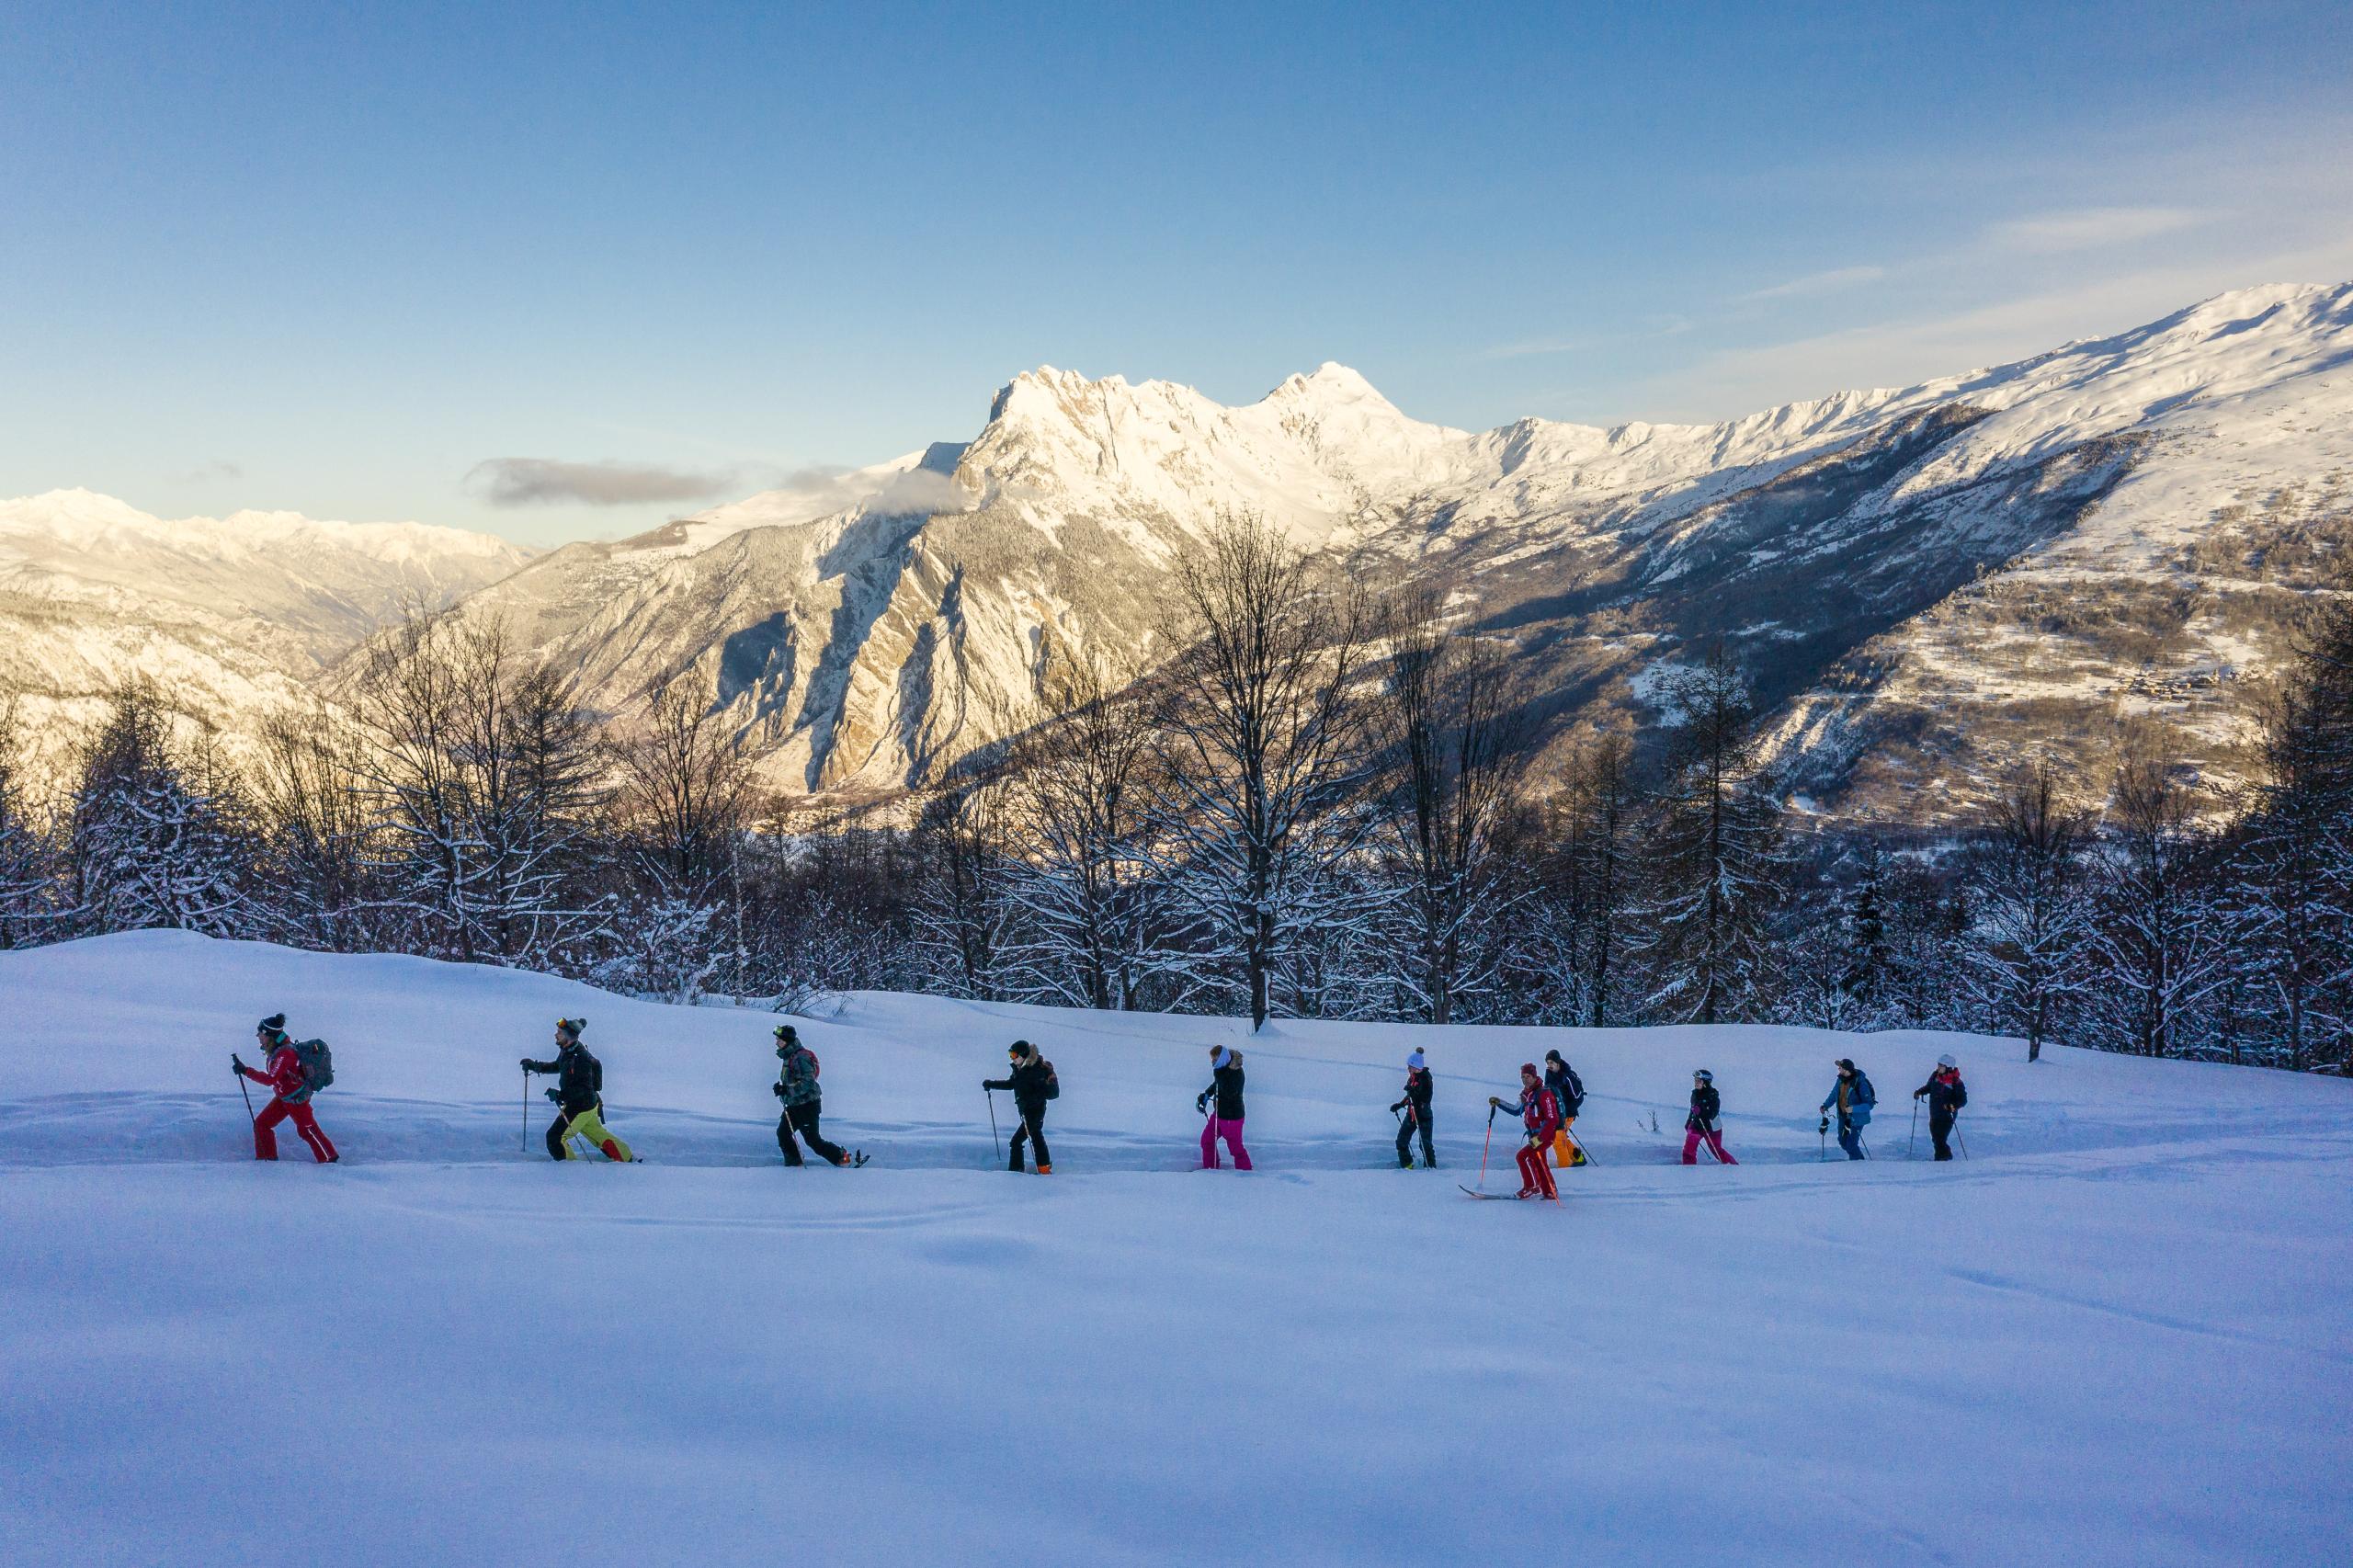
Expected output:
(1224, 1119)
(1704, 1124)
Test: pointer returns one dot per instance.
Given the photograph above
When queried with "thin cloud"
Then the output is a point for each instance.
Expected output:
(540, 482)
(2088, 228)
(204, 473)
(1812, 283)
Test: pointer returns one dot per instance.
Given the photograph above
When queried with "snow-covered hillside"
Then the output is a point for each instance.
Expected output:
(2116, 531)
(2115, 1334)
(229, 615)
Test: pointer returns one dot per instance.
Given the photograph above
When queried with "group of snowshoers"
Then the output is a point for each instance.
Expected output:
(1550, 1098)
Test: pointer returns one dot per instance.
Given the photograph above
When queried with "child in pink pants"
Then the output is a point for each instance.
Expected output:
(1225, 1117)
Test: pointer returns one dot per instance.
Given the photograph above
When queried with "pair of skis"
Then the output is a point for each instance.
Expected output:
(1476, 1192)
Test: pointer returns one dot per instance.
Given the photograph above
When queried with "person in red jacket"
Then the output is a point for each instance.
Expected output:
(284, 1076)
(1539, 1110)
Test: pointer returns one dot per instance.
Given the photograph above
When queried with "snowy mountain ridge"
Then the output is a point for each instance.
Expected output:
(231, 616)
(1884, 561)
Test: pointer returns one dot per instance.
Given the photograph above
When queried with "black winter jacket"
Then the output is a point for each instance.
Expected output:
(579, 1078)
(1226, 1084)
(1705, 1107)
(1944, 1099)
(1418, 1089)
(1566, 1088)
(1027, 1083)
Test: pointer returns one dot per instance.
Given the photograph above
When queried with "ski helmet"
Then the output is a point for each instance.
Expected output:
(1703, 1074)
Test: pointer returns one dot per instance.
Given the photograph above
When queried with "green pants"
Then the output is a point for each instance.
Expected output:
(585, 1124)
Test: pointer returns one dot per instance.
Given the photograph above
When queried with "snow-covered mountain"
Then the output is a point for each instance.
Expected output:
(2108, 535)
(229, 615)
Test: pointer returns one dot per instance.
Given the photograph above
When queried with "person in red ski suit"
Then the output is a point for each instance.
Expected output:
(291, 1092)
(1539, 1110)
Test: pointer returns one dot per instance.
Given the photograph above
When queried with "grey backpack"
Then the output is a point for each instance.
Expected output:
(318, 1063)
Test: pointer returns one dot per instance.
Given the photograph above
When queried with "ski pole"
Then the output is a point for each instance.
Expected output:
(525, 1146)
(1963, 1142)
(249, 1097)
(1821, 1141)
(995, 1142)
(1912, 1144)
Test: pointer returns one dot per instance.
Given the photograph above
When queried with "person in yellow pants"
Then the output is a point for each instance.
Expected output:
(1562, 1079)
(578, 1096)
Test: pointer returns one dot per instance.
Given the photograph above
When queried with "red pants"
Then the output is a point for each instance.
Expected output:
(1535, 1176)
(1691, 1137)
(266, 1141)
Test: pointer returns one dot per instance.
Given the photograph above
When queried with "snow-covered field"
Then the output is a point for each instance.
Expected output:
(2119, 1334)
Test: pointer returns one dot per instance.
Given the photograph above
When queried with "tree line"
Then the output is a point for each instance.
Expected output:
(1323, 803)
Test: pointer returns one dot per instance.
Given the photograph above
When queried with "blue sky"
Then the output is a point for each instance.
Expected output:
(332, 258)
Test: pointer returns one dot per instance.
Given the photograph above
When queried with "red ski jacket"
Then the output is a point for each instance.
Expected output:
(285, 1073)
(1540, 1110)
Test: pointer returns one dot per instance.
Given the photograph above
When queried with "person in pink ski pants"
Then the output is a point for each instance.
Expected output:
(1703, 1124)
(1224, 1119)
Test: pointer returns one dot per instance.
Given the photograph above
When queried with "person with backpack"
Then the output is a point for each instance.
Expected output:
(292, 1082)
(1705, 1123)
(1568, 1090)
(1032, 1083)
(796, 1085)
(1225, 1120)
(1851, 1091)
(1945, 1095)
(1419, 1087)
(578, 1096)
(1540, 1113)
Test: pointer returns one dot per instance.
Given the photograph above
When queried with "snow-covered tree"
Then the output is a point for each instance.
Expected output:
(155, 837)
(2028, 941)
(1717, 867)
(1261, 749)
(1455, 745)
(2157, 942)
(27, 911)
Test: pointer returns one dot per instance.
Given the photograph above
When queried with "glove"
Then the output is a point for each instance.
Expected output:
(526, 1064)
(1398, 1106)
(777, 1089)
(1493, 1101)
(1201, 1101)
(1826, 1125)
(553, 1097)
(236, 1065)
(1917, 1093)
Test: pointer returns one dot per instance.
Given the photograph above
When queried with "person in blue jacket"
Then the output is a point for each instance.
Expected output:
(1854, 1097)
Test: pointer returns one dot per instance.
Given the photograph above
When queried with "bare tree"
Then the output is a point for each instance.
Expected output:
(2157, 937)
(1717, 867)
(1261, 744)
(26, 899)
(1089, 930)
(2027, 945)
(1456, 745)
(307, 797)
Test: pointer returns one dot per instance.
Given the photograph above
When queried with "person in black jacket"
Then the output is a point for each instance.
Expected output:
(1569, 1089)
(796, 1085)
(1945, 1095)
(1419, 1087)
(1702, 1125)
(1033, 1083)
(1225, 1121)
(578, 1096)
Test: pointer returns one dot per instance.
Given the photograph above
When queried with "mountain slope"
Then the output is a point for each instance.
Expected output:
(229, 615)
(2107, 536)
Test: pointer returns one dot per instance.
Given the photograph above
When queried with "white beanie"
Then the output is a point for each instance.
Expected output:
(1416, 1060)
(1946, 1062)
